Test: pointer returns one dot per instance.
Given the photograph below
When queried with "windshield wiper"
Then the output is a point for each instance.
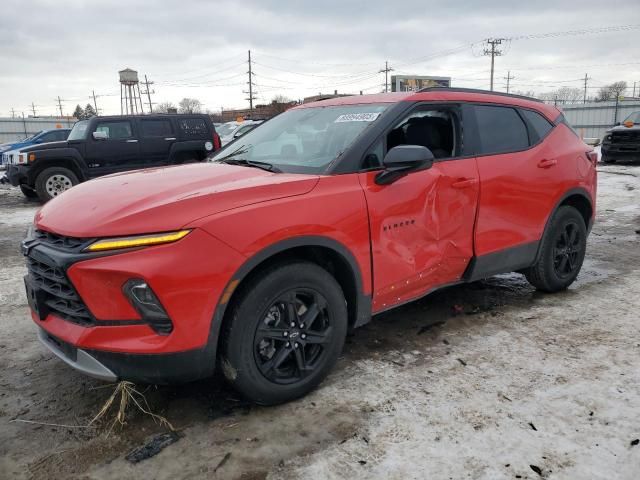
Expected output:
(251, 163)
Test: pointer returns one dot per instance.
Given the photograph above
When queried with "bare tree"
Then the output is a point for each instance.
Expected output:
(525, 93)
(189, 105)
(164, 107)
(563, 95)
(611, 91)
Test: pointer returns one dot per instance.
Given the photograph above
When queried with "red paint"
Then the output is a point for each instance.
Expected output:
(407, 238)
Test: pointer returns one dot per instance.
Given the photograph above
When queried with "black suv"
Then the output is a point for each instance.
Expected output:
(104, 145)
(622, 142)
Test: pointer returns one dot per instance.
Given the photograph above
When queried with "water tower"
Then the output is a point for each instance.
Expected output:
(130, 101)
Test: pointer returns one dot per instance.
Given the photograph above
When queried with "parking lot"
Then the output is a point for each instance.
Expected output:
(485, 380)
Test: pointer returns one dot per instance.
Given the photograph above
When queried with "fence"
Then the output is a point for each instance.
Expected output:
(12, 129)
(593, 119)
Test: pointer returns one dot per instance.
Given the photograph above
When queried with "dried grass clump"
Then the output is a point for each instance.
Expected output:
(128, 395)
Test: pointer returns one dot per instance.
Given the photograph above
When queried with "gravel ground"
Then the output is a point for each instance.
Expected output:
(489, 380)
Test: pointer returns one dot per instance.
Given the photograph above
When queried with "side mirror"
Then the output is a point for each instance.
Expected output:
(403, 159)
(100, 135)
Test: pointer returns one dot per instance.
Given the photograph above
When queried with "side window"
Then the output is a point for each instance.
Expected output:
(48, 137)
(193, 127)
(115, 130)
(435, 129)
(156, 128)
(501, 130)
(539, 126)
(61, 135)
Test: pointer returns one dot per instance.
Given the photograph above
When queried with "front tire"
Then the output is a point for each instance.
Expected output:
(607, 159)
(54, 181)
(562, 252)
(284, 333)
(27, 191)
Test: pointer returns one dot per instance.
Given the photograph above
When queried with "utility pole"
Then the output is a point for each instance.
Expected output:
(493, 52)
(148, 92)
(13, 113)
(60, 106)
(24, 125)
(251, 93)
(634, 90)
(508, 78)
(33, 108)
(586, 79)
(386, 71)
(95, 104)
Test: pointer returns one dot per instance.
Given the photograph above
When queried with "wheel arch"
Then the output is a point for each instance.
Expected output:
(65, 162)
(578, 198)
(325, 252)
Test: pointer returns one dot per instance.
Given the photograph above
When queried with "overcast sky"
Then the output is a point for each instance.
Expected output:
(198, 48)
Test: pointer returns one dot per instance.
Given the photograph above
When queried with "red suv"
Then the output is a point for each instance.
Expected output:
(260, 260)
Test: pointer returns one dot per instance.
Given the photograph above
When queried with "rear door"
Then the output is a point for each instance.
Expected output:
(119, 151)
(156, 138)
(422, 224)
(521, 176)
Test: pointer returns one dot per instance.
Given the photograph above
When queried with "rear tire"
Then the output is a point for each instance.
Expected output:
(284, 333)
(27, 191)
(562, 252)
(53, 181)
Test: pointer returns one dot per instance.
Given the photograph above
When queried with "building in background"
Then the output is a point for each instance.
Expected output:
(13, 129)
(413, 83)
(259, 112)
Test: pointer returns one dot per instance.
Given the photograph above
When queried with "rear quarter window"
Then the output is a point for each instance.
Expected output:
(501, 130)
(539, 127)
(193, 127)
(155, 128)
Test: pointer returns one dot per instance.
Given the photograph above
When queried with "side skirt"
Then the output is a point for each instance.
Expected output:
(504, 261)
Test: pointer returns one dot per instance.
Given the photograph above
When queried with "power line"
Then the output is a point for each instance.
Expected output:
(493, 52)
(586, 79)
(508, 78)
(386, 71)
(148, 92)
(251, 94)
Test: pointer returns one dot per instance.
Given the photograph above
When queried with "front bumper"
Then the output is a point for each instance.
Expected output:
(621, 151)
(154, 369)
(188, 277)
(17, 174)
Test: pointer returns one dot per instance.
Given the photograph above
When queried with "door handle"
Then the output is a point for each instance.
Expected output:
(464, 183)
(170, 138)
(132, 141)
(547, 163)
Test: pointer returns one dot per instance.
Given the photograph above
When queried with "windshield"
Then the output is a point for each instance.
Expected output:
(225, 129)
(31, 137)
(303, 140)
(634, 117)
(78, 131)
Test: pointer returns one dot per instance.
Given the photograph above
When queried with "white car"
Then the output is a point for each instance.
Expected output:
(231, 130)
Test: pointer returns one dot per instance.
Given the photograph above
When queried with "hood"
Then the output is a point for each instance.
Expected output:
(163, 199)
(44, 146)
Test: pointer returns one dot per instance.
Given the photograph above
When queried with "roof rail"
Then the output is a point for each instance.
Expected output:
(477, 90)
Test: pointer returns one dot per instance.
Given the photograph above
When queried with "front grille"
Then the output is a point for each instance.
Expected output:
(58, 241)
(626, 137)
(61, 298)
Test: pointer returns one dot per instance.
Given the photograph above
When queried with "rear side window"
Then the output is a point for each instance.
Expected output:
(193, 127)
(156, 128)
(539, 126)
(501, 130)
(115, 130)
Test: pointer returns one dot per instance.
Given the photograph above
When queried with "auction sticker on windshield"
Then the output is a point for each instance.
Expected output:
(357, 117)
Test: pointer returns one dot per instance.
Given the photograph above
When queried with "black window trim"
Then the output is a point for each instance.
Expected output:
(530, 128)
(516, 108)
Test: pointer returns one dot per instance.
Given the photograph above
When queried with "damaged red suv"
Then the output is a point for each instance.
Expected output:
(260, 260)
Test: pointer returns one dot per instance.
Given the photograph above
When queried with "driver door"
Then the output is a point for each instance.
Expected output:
(421, 225)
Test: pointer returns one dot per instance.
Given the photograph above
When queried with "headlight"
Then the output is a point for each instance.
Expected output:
(136, 241)
(607, 138)
(22, 158)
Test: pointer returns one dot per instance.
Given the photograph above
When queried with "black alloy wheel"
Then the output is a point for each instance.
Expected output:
(290, 340)
(567, 249)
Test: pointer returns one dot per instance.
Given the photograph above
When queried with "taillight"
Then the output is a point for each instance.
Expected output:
(593, 157)
(216, 141)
